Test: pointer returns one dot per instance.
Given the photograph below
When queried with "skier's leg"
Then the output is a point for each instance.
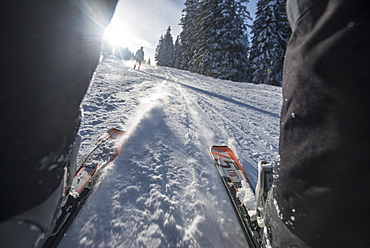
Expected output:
(325, 122)
(51, 49)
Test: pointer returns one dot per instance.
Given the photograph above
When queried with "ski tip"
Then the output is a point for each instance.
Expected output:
(114, 133)
(221, 148)
(116, 129)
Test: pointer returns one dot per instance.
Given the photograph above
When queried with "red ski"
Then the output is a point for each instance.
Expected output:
(240, 191)
(102, 153)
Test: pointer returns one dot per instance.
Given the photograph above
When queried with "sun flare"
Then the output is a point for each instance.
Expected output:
(117, 35)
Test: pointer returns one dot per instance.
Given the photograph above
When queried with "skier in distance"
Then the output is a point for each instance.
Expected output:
(139, 57)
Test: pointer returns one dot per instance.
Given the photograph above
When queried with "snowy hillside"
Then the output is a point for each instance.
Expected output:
(163, 190)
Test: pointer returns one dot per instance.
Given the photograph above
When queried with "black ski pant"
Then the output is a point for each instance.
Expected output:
(322, 182)
(49, 51)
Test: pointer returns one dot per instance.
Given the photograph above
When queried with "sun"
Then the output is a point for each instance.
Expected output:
(116, 35)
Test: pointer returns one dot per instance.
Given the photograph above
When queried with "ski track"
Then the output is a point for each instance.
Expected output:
(163, 189)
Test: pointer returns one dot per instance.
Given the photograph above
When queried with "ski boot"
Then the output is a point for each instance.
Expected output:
(264, 184)
(33, 227)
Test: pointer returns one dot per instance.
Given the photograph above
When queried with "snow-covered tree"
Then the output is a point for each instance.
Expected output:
(159, 51)
(126, 54)
(177, 54)
(229, 44)
(214, 41)
(270, 36)
(165, 50)
(188, 35)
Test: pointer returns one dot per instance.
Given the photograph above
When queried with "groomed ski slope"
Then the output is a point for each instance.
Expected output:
(163, 189)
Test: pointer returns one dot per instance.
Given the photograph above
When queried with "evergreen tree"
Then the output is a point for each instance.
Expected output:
(188, 34)
(206, 18)
(270, 36)
(159, 52)
(177, 54)
(234, 41)
(127, 54)
(221, 48)
(165, 50)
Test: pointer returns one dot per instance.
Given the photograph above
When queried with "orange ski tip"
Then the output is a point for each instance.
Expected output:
(114, 133)
(221, 148)
(221, 155)
(230, 154)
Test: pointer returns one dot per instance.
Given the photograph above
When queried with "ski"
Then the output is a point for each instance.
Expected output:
(104, 151)
(240, 191)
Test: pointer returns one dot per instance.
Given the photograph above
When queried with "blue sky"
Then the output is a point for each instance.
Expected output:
(142, 22)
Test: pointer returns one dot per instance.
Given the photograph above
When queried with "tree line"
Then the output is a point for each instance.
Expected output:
(214, 41)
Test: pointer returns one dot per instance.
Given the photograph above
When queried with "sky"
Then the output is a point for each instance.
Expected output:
(142, 22)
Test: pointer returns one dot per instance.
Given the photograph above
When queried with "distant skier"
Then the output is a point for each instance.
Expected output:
(139, 57)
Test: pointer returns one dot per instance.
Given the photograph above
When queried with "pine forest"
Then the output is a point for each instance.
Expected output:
(215, 41)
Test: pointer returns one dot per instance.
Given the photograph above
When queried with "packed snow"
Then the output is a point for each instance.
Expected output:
(163, 189)
(248, 198)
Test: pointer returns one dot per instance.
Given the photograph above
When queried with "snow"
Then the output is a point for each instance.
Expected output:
(248, 198)
(163, 189)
